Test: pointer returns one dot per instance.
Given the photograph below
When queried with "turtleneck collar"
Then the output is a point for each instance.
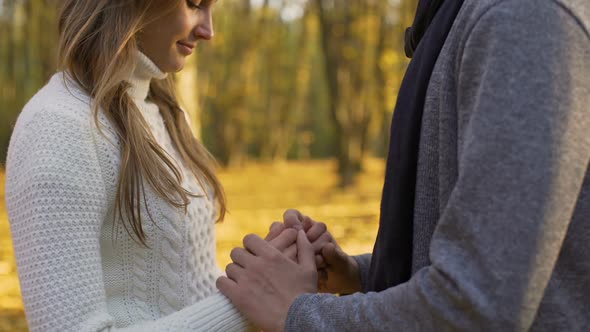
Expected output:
(145, 71)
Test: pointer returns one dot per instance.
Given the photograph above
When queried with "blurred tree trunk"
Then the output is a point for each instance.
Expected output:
(381, 80)
(229, 62)
(349, 37)
(302, 84)
(284, 67)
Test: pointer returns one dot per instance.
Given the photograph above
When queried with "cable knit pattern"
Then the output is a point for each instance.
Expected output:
(79, 270)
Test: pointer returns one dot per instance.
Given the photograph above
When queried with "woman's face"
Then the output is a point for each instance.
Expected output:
(170, 38)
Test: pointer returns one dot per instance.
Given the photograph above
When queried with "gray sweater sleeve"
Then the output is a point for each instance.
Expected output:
(364, 262)
(524, 148)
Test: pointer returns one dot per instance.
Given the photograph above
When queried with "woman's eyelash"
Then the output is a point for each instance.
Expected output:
(193, 5)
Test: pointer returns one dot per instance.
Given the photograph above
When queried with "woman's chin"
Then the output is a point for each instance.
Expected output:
(180, 68)
(174, 65)
(178, 64)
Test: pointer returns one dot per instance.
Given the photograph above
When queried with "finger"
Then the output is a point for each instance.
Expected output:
(284, 240)
(320, 262)
(234, 271)
(291, 252)
(242, 257)
(257, 246)
(319, 243)
(227, 287)
(305, 254)
(275, 229)
(307, 223)
(293, 219)
(316, 231)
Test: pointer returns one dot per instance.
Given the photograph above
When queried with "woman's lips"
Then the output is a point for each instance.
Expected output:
(186, 49)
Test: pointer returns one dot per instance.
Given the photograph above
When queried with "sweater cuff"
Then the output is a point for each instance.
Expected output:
(364, 262)
(299, 318)
(215, 313)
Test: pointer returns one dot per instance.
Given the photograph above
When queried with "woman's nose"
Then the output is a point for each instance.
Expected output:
(204, 29)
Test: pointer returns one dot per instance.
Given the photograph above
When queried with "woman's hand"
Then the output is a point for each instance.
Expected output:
(263, 283)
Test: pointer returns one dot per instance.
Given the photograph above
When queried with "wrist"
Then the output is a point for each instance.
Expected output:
(284, 323)
(354, 277)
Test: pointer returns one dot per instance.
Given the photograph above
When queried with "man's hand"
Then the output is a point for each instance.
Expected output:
(341, 272)
(338, 273)
(263, 283)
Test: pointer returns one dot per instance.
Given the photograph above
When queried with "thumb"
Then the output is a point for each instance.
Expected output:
(305, 253)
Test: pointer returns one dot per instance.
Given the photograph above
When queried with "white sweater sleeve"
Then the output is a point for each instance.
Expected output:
(56, 202)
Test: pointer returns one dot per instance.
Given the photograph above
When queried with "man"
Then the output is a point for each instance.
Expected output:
(485, 216)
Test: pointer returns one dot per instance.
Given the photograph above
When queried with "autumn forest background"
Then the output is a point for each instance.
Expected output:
(293, 97)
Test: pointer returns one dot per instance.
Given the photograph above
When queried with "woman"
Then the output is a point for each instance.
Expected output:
(112, 201)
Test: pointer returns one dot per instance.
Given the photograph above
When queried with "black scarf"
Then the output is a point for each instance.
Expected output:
(391, 262)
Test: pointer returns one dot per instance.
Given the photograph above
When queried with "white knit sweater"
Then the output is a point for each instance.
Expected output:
(78, 271)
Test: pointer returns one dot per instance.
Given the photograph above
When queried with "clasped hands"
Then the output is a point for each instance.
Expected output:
(297, 256)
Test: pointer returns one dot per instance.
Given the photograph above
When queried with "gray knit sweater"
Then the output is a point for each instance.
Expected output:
(502, 213)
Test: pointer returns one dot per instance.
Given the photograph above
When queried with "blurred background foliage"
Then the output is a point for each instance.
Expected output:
(293, 97)
(281, 79)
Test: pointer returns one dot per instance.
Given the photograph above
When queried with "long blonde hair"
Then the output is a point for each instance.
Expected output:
(97, 45)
